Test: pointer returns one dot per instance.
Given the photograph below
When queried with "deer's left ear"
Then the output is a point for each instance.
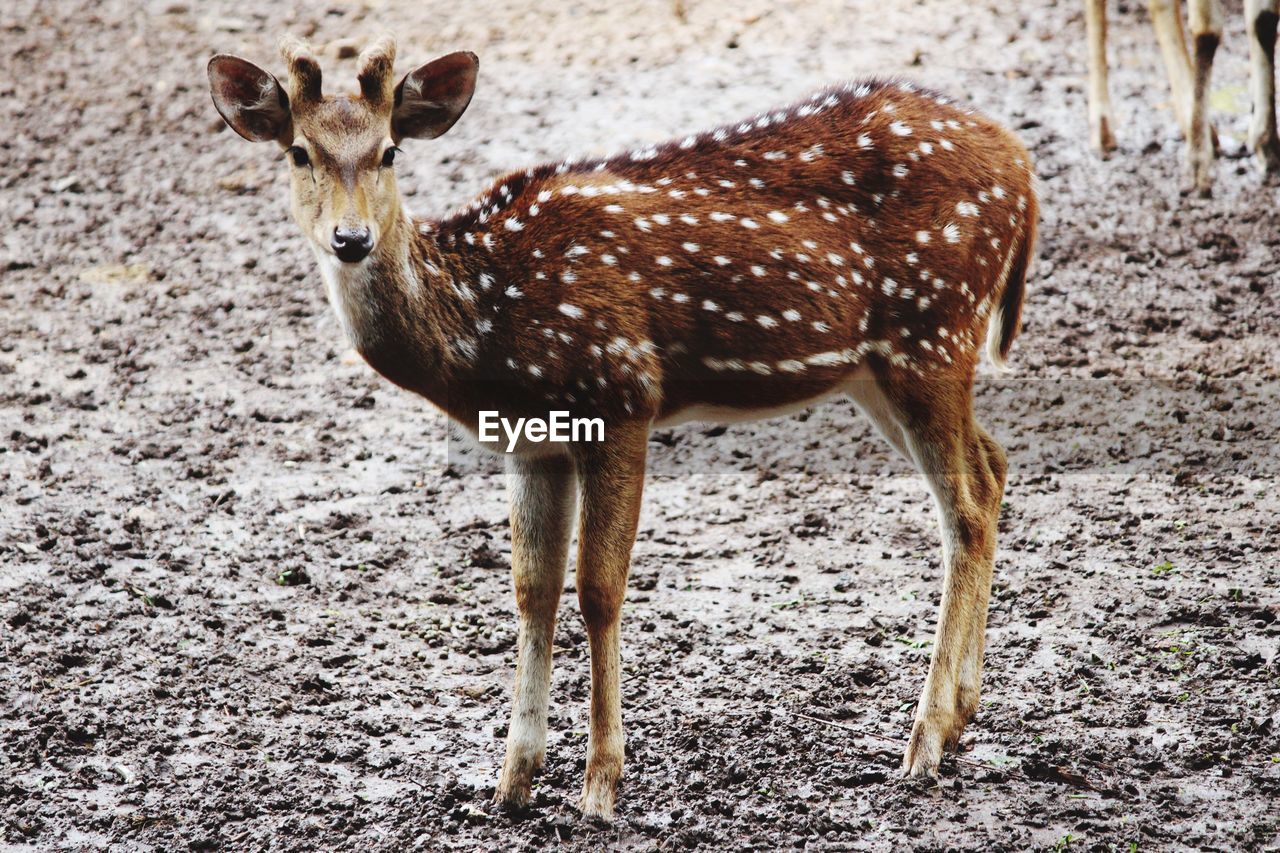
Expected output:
(430, 99)
(250, 100)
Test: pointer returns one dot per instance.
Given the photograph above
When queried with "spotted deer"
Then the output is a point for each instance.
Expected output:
(1190, 82)
(862, 242)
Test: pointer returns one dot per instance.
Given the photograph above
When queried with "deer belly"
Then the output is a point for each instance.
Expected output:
(736, 400)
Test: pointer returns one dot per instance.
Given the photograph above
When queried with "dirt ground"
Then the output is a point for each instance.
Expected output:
(250, 598)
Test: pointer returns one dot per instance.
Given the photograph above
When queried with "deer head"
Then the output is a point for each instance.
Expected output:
(341, 149)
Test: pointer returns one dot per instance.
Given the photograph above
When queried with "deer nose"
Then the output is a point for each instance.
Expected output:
(351, 244)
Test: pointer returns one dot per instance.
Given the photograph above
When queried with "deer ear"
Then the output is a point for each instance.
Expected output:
(250, 100)
(429, 100)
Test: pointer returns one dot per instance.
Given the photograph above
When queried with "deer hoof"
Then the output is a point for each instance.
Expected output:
(930, 737)
(924, 752)
(1101, 139)
(1266, 152)
(512, 797)
(597, 797)
(516, 783)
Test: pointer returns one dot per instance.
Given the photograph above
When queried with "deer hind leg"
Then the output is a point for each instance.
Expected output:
(542, 498)
(1206, 34)
(611, 475)
(864, 389)
(1262, 17)
(965, 471)
(1101, 138)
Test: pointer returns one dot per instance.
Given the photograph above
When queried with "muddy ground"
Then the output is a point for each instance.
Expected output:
(249, 597)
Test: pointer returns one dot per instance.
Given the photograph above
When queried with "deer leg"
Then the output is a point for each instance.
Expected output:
(991, 487)
(1101, 138)
(1262, 17)
(542, 495)
(611, 475)
(1177, 60)
(1206, 34)
(865, 392)
(965, 470)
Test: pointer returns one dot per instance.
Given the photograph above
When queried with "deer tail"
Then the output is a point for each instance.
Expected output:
(1006, 320)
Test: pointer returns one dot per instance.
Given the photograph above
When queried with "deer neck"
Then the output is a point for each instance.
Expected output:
(402, 309)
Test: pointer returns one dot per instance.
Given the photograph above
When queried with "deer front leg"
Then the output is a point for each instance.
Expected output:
(1262, 17)
(611, 475)
(1206, 33)
(542, 493)
(1101, 138)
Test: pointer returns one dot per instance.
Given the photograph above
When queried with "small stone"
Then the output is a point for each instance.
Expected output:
(346, 48)
(68, 184)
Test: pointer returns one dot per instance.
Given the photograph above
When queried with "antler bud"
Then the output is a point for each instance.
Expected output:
(304, 69)
(376, 62)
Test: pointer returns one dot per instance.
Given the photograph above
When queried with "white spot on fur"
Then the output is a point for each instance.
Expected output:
(825, 359)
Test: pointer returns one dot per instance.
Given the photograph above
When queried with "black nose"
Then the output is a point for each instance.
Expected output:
(351, 244)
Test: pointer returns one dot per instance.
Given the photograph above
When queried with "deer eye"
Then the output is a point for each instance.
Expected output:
(389, 156)
(299, 156)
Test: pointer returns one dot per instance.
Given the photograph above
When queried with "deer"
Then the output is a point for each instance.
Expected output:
(1190, 84)
(868, 242)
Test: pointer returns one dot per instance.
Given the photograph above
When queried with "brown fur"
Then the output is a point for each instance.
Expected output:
(857, 242)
